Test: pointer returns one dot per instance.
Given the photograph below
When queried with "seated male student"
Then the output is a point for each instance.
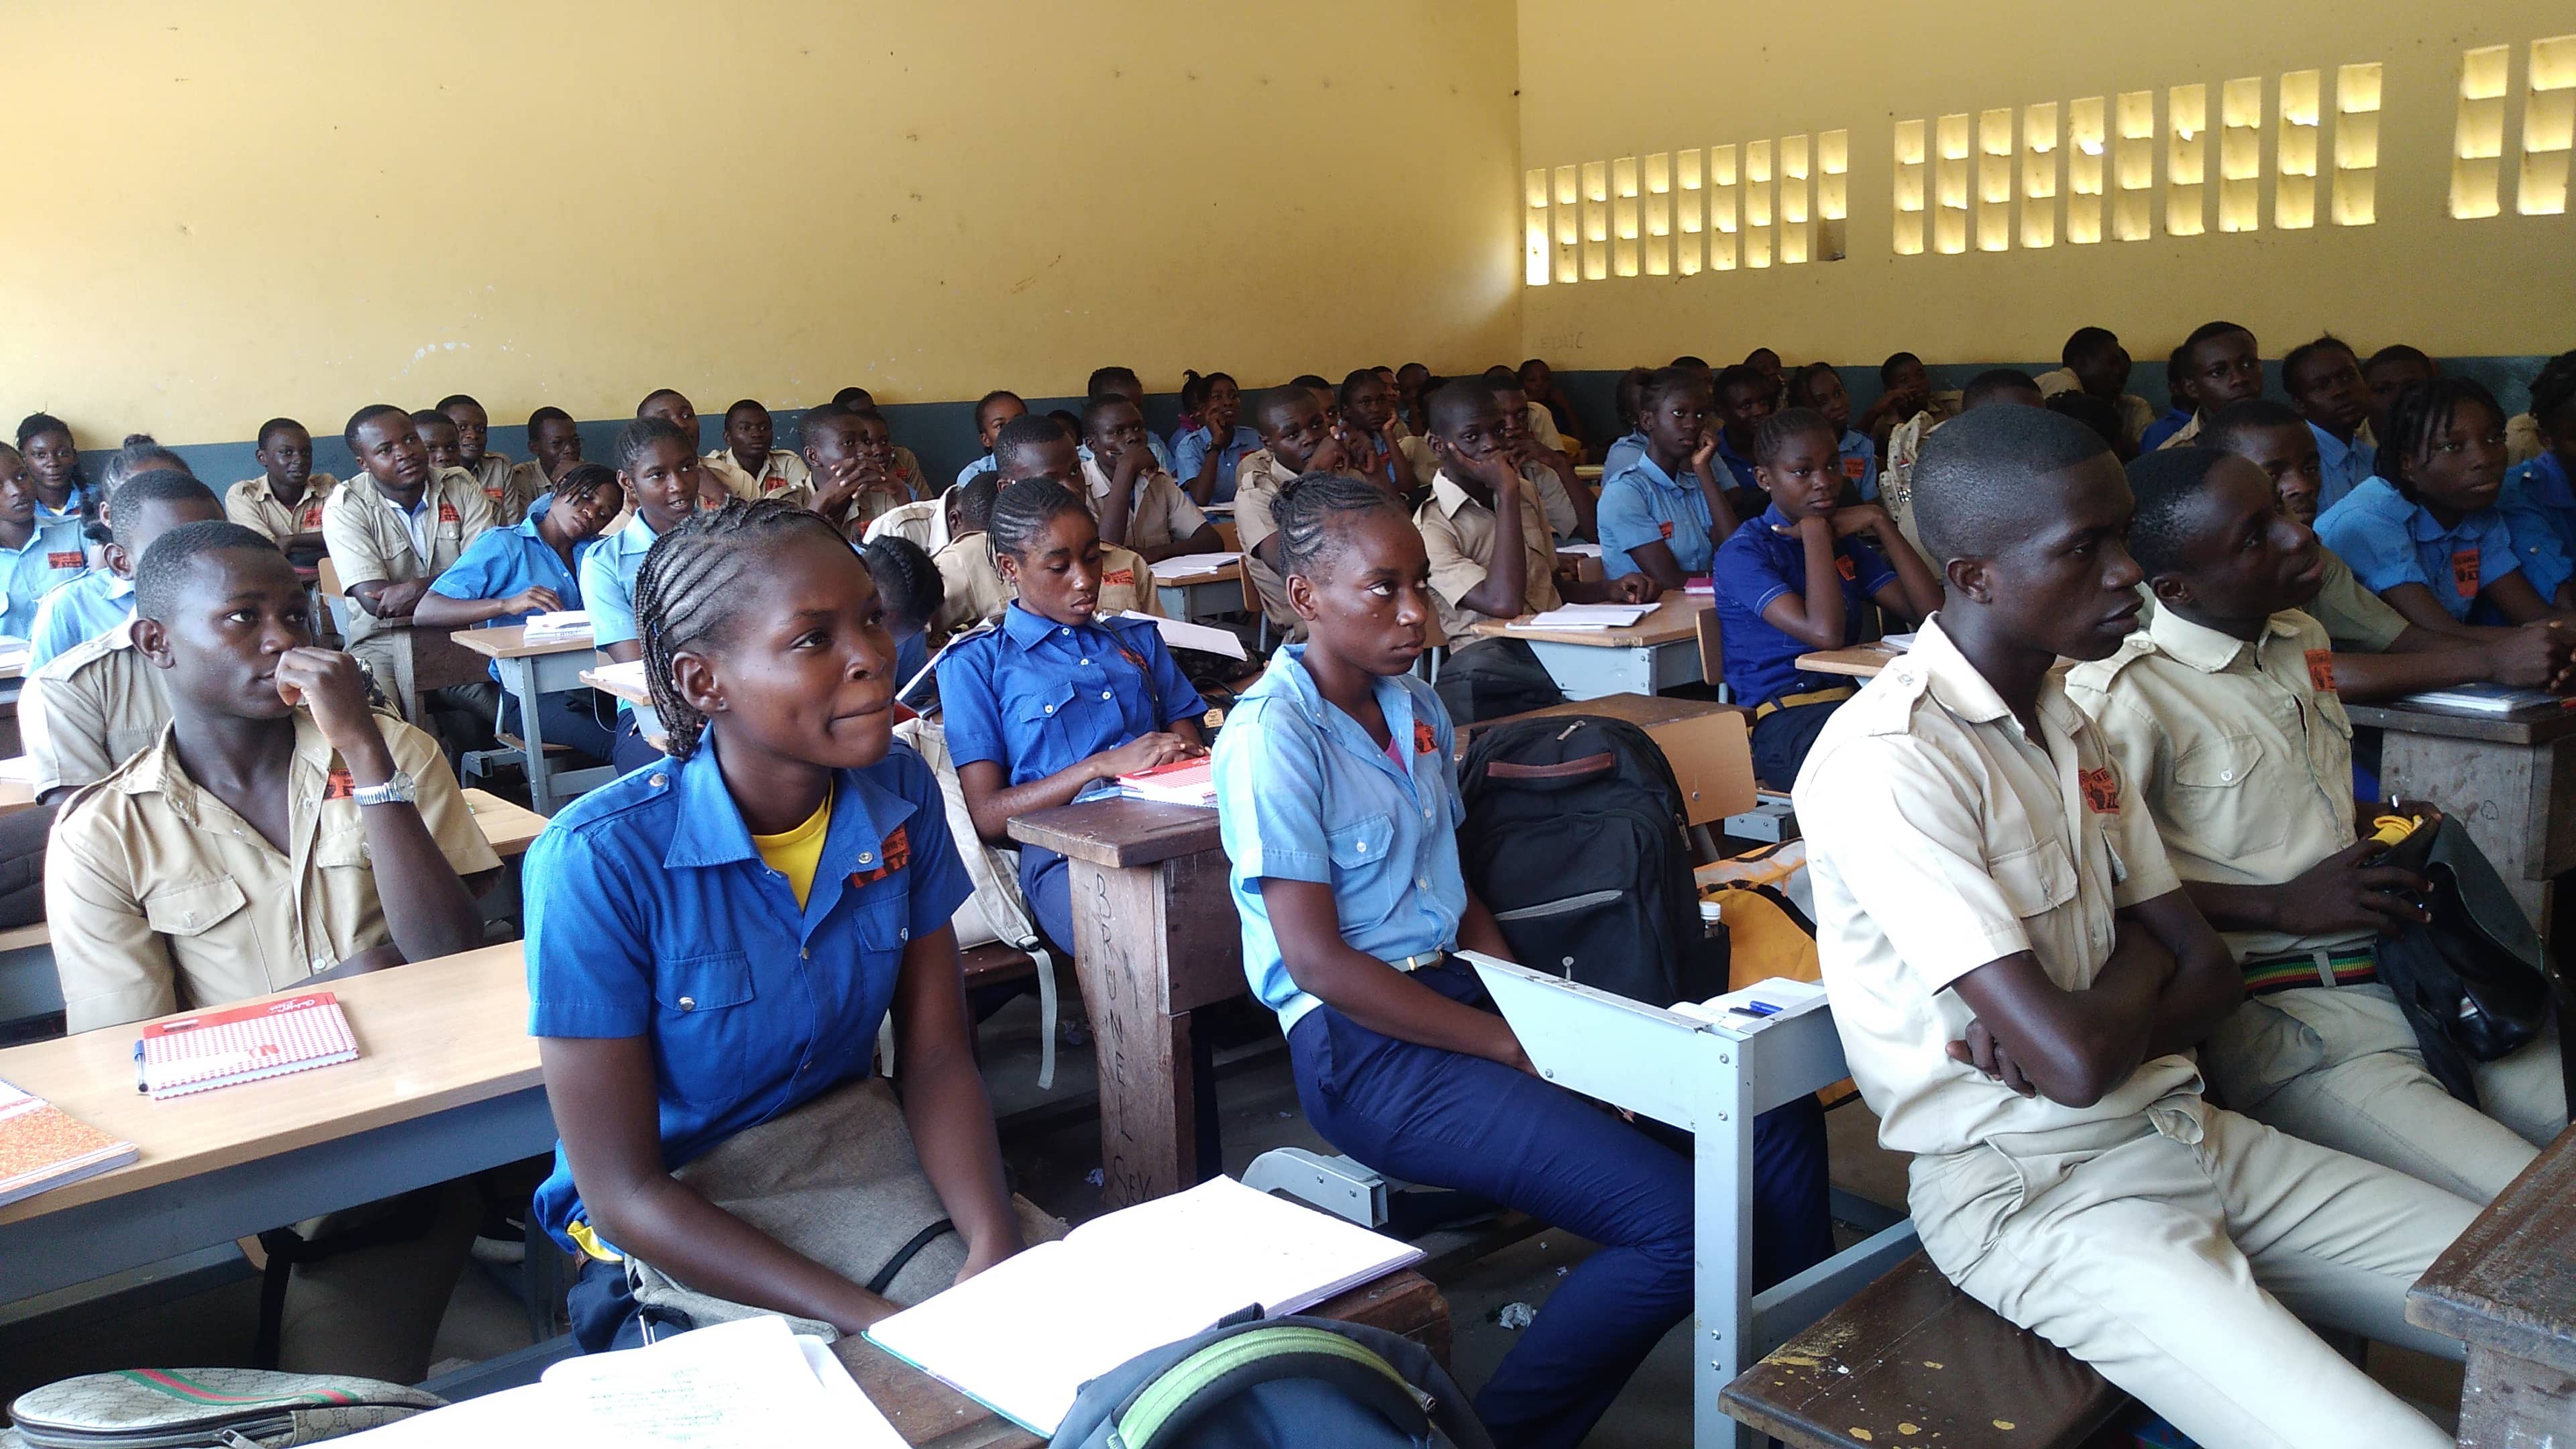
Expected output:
(36, 557)
(659, 468)
(2094, 363)
(1999, 386)
(554, 444)
(493, 470)
(851, 457)
(2218, 364)
(1295, 441)
(2225, 717)
(1138, 503)
(140, 509)
(1117, 381)
(2018, 977)
(2323, 379)
(1491, 559)
(1744, 396)
(971, 587)
(532, 567)
(1570, 506)
(903, 467)
(993, 411)
(285, 501)
(1665, 513)
(1794, 579)
(749, 467)
(2390, 371)
(278, 834)
(438, 439)
(392, 529)
(971, 576)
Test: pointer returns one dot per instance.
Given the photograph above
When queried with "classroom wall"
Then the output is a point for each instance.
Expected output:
(223, 211)
(1630, 78)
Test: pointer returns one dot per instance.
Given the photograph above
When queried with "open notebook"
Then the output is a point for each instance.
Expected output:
(1022, 1338)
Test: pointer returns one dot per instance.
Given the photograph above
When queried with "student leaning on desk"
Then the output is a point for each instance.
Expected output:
(278, 832)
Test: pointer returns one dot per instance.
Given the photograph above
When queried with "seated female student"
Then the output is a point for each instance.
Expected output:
(62, 491)
(659, 468)
(2425, 533)
(533, 567)
(1793, 580)
(1819, 388)
(1339, 806)
(2538, 498)
(1055, 704)
(909, 583)
(1204, 457)
(712, 944)
(1666, 512)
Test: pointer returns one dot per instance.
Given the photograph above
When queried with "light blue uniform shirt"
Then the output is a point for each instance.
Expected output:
(1860, 463)
(81, 495)
(53, 556)
(607, 576)
(651, 914)
(88, 605)
(505, 561)
(2389, 540)
(2341, 466)
(1616, 458)
(2541, 508)
(1035, 696)
(1644, 505)
(975, 470)
(1303, 794)
(1190, 449)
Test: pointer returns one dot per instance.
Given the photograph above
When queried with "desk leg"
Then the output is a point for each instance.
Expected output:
(1122, 950)
(1722, 1250)
(519, 677)
(2511, 1401)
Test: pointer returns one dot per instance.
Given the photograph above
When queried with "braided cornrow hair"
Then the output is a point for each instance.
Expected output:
(2553, 390)
(2423, 409)
(688, 589)
(1309, 507)
(1022, 510)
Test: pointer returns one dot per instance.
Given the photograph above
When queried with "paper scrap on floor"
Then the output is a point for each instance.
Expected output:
(1182, 565)
(1182, 634)
(1586, 616)
(749, 1384)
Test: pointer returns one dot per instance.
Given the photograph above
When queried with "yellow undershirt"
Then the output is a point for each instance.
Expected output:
(797, 852)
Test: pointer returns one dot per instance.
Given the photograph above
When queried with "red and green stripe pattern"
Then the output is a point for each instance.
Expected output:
(179, 1386)
(2289, 973)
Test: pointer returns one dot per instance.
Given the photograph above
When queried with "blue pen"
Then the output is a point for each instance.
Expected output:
(139, 1084)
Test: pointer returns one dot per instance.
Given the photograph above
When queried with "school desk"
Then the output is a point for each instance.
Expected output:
(2512, 782)
(931, 1415)
(527, 671)
(2507, 1289)
(1155, 938)
(640, 699)
(1705, 742)
(446, 1083)
(1201, 594)
(1861, 661)
(1657, 653)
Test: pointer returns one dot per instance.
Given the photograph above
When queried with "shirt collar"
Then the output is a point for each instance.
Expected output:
(118, 585)
(637, 536)
(1653, 472)
(1953, 680)
(710, 830)
(163, 775)
(1771, 518)
(2331, 450)
(2208, 650)
(1449, 497)
(1025, 627)
(1288, 676)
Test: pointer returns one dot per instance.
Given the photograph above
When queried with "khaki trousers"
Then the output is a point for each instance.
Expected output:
(2339, 1067)
(2177, 1253)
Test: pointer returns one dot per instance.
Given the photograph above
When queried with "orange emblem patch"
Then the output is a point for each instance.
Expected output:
(2321, 670)
(2101, 791)
(1123, 579)
(892, 855)
(1423, 741)
(2464, 573)
(1844, 566)
(447, 513)
(67, 559)
(1853, 468)
(339, 786)
(1667, 528)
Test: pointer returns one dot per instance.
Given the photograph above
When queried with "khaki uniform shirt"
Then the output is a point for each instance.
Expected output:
(924, 523)
(2136, 413)
(2184, 436)
(1420, 465)
(1939, 839)
(782, 475)
(2354, 618)
(1458, 533)
(1896, 479)
(161, 898)
(907, 471)
(251, 504)
(371, 540)
(1162, 514)
(90, 709)
(974, 589)
(1542, 426)
(2241, 752)
(528, 483)
(2521, 439)
(500, 482)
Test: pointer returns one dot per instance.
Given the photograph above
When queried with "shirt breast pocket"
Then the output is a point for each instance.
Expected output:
(1043, 704)
(2035, 880)
(2213, 798)
(705, 1027)
(194, 909)
(1366, 882)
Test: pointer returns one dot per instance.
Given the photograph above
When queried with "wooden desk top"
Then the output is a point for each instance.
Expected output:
(931, 1414)
(593, 678)
(2509, 1283)
(462, 1037)
(2415, 719)
(1861, 661)
(1674, 621)
(510, 828)
(510, 641)
(1119, 833)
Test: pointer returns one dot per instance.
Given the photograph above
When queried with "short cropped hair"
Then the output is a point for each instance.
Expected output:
(2164, 484)
(1971, 491)
(2229, 425)
(163, 569)
(1992, 384)
(157, 486)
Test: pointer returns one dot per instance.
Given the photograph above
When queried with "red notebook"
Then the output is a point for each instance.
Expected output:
(1179, 782)
(243, 1044)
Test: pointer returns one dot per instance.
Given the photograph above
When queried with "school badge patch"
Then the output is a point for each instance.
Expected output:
(893, 854)
(2321, 670)
(2101, 790)
(2464, 573)
(1424, 742)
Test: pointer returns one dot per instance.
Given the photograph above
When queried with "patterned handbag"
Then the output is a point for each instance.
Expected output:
(222, 1408)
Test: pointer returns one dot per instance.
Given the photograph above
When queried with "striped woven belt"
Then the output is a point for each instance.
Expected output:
(2351, 966)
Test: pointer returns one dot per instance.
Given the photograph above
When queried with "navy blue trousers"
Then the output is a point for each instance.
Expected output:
(1448, 1120)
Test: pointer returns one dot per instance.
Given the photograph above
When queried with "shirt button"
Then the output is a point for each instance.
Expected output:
(1086, 661)
(804, 953)
(688, 1003)
(1050, 709)
(657, 780)
(1105, 694)
(905, 934)
(1422, 882)
(2227, 777)
(865, 859)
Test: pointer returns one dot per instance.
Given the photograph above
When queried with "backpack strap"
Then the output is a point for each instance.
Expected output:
(1162, 1411)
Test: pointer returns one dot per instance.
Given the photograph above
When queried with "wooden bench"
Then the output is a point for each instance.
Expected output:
(1911, 1360)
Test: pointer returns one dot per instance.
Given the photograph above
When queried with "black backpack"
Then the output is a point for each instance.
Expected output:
(1576, 835)
(1288, 1383)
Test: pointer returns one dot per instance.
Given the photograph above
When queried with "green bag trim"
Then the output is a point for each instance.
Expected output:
(1176, 1386)
(179, 1386)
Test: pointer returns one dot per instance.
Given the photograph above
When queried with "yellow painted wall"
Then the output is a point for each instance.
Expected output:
(1611, 78)
(228, 209)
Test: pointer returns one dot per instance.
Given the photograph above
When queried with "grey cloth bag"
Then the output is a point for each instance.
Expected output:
(835, 1179)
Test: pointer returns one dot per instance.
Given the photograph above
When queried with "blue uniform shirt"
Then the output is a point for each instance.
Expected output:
(2541, 509)
(1860, 463)
(2174, 421)
(1616, 458)
(977, 469)
(651, 914)
(1737, 464)
(1642, 505)
(2389, 540)
(1035, 696)
(505, 561)
(1303, 793)
(1190, 449)
(53, 556)
(1755, 567)
(81, 608)
(2341, 466)
(607, 575)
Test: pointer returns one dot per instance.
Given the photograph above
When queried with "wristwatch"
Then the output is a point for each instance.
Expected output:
(401, 789)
